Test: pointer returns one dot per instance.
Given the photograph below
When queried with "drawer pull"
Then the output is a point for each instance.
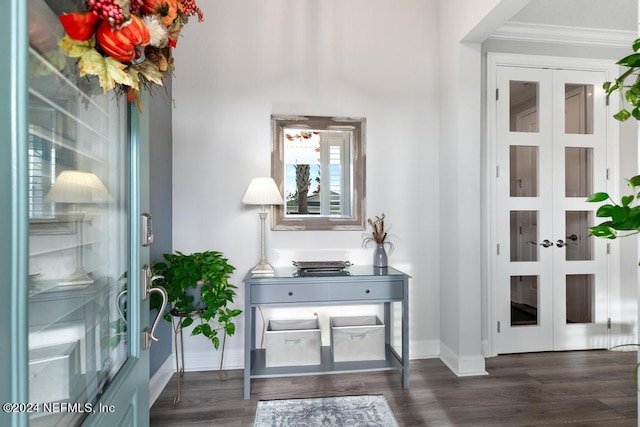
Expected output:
(355, 337)
(293, 341)
(367, 291)
(290, 293)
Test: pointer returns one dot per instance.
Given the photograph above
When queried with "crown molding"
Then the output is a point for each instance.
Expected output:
(543, 33)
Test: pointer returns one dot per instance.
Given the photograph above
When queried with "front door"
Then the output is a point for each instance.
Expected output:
(551, 284)
(87, 172)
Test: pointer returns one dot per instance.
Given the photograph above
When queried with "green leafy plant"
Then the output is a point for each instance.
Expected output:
(623, 218)
(623, 221)
(198, 287)
(629, 93)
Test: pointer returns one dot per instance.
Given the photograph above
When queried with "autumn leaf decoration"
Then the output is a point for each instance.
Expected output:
(126, 44)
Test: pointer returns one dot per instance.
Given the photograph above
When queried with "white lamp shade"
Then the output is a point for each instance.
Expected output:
(262, 191)
(78, 187)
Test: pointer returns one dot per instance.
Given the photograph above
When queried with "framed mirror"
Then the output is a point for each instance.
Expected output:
(319, 166)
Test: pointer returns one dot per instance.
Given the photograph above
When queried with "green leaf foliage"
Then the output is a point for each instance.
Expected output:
(198, 289)
(621, 219)
(627, 85)
(598, 197)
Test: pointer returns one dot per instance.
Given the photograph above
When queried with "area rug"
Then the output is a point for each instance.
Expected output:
(358, 411)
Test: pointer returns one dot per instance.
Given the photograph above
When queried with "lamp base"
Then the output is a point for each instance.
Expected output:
(263, 269)
(78, 277)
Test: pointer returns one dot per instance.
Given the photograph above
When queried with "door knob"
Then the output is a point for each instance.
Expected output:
(545, 243)
(561, 243)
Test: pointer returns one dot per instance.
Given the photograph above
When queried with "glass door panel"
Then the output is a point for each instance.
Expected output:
(580, 298)
(523, 171)
(577, 243)
(578, 171)
(523, 106)
(78, 243)
(524, 300)
(524, 236)
(578, 111)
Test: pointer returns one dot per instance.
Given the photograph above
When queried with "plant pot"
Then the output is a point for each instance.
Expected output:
(196, 293)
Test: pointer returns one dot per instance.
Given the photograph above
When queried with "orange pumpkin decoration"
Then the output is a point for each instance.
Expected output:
(167, 10)
(79, 26)
(126, 44)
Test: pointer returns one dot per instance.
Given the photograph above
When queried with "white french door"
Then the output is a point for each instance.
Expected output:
(551, 278)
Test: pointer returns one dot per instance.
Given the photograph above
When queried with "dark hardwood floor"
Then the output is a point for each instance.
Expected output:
(582, 388)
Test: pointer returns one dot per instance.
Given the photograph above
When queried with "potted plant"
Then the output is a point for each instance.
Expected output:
(380, 237)
(198, 287)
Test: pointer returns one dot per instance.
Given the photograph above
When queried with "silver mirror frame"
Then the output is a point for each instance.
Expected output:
(355, 125)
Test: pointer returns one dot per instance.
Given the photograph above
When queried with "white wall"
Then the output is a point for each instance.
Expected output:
(461, 206)
(251, 59)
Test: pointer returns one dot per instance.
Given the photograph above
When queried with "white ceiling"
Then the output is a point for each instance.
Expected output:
(621, 15)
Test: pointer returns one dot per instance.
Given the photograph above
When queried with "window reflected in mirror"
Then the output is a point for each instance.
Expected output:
(318, 164)
(318, 173)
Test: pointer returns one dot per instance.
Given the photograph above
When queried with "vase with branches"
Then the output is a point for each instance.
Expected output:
(381, 238)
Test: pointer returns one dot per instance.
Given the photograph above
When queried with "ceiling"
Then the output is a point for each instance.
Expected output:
(620, 15)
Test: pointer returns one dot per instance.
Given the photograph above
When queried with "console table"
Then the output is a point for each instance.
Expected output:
(355, 285)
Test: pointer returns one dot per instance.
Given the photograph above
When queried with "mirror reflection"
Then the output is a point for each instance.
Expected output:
(318, 163)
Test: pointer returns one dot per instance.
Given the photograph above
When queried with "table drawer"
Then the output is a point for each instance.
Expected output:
(265, 294)
(367, 291)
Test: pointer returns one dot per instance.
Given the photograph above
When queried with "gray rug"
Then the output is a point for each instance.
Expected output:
(326, 411)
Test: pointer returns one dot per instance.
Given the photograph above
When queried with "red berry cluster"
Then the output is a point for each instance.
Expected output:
(189, 7)
(136, 5)
(109, 10)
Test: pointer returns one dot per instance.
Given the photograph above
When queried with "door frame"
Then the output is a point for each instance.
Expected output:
(490, 336)
(14, 227)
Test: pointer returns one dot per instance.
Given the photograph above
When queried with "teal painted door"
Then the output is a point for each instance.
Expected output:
(74, 192)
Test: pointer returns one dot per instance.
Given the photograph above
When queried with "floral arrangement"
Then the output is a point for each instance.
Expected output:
(126, 43)
(378, 235)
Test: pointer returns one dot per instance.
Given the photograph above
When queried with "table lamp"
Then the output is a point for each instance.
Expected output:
(78, 188)
(262, 191)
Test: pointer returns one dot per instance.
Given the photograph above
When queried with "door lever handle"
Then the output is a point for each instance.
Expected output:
(545, 243)
(561, 243)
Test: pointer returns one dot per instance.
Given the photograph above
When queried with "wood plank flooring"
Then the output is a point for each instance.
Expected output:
(585, 388)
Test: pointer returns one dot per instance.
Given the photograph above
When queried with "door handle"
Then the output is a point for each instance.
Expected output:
(121, 311)
(163, 293)
(545, 243)
(561, 243)
(147, 290)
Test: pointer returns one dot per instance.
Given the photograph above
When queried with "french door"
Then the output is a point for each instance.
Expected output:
(77, 168)
(551, 278)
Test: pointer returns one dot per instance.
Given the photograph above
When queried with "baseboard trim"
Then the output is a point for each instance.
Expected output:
(462, 366)
(426, 349)
(160, 379)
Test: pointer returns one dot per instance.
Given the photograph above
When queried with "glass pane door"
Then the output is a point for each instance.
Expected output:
(551, 154)
(78, 246)
(524, 209)
(581, 288)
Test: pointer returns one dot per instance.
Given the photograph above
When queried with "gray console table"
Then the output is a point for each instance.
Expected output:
(358, 285)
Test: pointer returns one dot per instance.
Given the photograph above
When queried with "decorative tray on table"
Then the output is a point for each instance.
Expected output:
(317, 268)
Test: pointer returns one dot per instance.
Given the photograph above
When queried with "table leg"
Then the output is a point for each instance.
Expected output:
(249, 343)
(405, 336)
